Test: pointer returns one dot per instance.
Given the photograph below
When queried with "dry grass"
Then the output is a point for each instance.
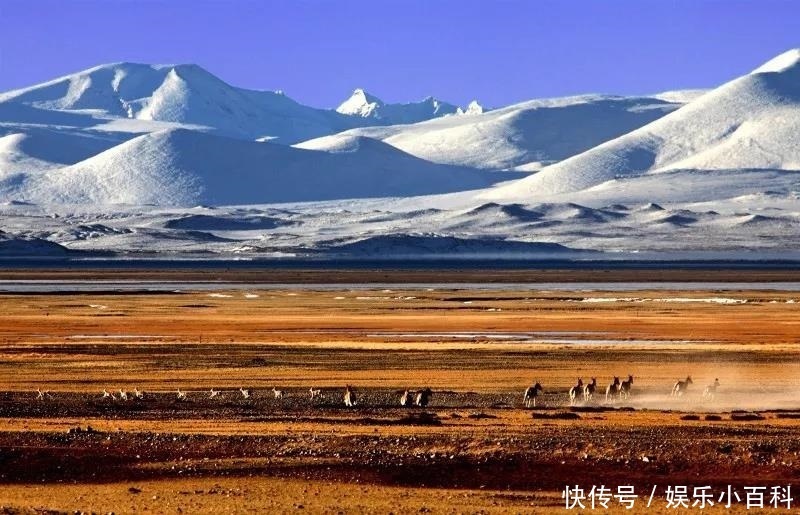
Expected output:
(381, 342)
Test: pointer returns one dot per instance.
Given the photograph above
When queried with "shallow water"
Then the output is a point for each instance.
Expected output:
(43, 286)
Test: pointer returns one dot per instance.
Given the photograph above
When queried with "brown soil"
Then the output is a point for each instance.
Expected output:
(475, 448)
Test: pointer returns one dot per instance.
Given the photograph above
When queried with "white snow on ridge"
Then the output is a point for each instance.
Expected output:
(179, 167)
(472, 108)
(752, 122)
(781, 63)
(680, 96)
(362, 104)
(34, 149)
(188, 94)
(107, 160)
(542, 130)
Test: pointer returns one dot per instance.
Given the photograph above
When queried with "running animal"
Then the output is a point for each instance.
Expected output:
(245, 393)
(625, 388)
(681, 386)
(277, 393)
(407, 399)
(574, 391)
(315, 392)
(612, 390)
(181, 395)
(711, 390)
(213, 393)
(531, 393)
(138, 394)
(589, 389)
(107, 395)
(123, 395)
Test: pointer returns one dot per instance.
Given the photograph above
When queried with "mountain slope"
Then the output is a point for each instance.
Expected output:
(752, 122)
(33, 149)
(181, 93)
(182, 167)
(188, 94)
(544, 131)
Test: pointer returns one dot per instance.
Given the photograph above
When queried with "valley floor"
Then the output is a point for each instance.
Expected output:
(475, 448)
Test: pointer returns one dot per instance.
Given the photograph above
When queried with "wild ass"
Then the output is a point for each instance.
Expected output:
(349, 396)
(612, 390)
(681, 386)
(589, 389)
(625, 388)
(531, 393)
(574, 391)
(711, 390)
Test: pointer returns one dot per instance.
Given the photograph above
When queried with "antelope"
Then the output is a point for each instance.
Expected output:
(278, 393)
(423, 398)
(315, 392)
(406, 398)
(531, 393)
(213, 393)
(181, 395)
(681, 386)
(625, 387)
(573, 392)
(138, 394)
(123, 395)
(711, 390)
(612, 389)
(245, 393)
(107, 395)
(589, 389)
(43, 395)
(349, 397)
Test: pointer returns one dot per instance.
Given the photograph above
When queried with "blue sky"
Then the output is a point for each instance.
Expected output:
(317, 51)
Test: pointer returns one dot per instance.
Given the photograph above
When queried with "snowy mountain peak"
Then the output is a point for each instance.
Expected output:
(472, 108)
(784, 62)
(749, 126)
(360, 103)
(363, 105)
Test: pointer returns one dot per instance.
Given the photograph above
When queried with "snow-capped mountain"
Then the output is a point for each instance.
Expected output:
(179, 167)
(188, 94)
(472, 108)
(184, 94)
(177, 135)
(544, 131)
(362, 104)
(706, 173)
(739, 133)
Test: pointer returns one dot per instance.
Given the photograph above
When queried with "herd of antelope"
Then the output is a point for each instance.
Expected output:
(586, 393)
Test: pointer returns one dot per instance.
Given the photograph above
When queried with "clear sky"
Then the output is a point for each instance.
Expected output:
(317, 51)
